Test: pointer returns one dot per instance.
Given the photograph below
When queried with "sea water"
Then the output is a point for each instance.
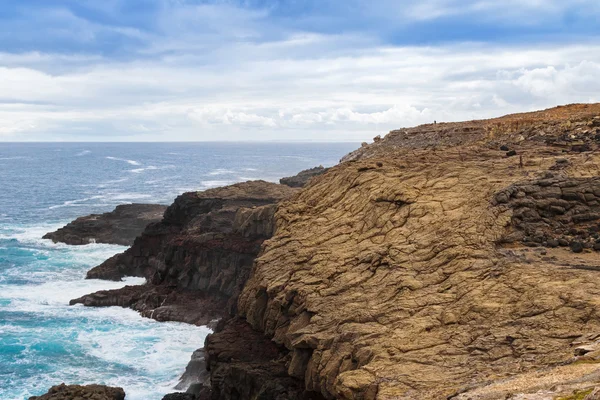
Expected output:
(44, 341)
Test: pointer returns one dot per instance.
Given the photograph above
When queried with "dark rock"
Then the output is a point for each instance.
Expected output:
(197, 258)
(75, 392)
(303, 177)
(161, 303)
(553, 243)
(179, 396)
(563, 242)
(247, 365)
(120, 226)
(195, 372)
(580, 148)
(576, 247)
(511, 153)
(504, 148)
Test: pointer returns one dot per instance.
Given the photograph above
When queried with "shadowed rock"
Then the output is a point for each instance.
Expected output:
(73, 392)
(120, 226)
(303, 177)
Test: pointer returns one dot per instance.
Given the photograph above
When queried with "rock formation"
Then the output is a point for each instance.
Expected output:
(431, 264)
(92, 392)
(120, 226)
(196, 259)
(303, 177)
(400, 275)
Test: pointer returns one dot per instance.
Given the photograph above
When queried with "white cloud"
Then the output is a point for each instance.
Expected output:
(220, 72)
(352, 97)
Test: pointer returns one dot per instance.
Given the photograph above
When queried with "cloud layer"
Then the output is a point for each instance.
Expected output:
(272, 70)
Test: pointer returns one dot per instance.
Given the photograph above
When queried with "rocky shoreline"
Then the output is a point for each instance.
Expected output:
(120, 226)
(443, 261)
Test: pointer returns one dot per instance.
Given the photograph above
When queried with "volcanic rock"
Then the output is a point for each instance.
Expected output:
(303, 177)
(72, 392)
(197, 258)
(120, 226)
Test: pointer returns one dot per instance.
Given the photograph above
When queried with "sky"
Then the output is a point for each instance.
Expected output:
(275, 70)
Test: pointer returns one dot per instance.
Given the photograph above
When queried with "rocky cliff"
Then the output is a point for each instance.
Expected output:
(120, 226)
(443, 261)
(197, 259)
(429, 264)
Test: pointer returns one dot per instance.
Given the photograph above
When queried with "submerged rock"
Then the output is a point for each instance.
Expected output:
(73, 392)
(120, 226)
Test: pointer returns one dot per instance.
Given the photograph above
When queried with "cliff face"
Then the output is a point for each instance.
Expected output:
(413, 272)
(198, 257)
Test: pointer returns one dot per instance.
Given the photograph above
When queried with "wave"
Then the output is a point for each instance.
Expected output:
(221, 171)
(214, 184)
(149, 168)
(83, 153)
(13, 158)
(168, 178)
(131, 162)
(74, 203)
(128, 196)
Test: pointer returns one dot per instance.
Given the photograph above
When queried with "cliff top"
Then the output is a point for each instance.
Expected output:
(580, 121)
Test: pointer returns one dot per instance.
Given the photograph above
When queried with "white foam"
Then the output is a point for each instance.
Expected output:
(221, 171)
(83, 153)
(49, 298)
(213, 184)
(168, 178)
(13, 158)
(131, 162)
(149, 168)
(127, 196)
(75, 203)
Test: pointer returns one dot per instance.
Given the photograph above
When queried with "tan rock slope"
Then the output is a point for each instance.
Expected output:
(432, 264)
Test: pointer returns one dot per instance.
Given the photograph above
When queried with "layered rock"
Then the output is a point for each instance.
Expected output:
(303, 177)
(120, 226)
(389, 276)
(198, 257)
(92, 392)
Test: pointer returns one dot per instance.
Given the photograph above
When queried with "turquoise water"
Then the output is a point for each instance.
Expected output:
(43, 341)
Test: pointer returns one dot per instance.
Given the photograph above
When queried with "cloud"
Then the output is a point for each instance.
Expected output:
(230, 71)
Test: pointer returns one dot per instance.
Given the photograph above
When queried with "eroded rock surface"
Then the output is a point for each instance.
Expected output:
(386, 277)
(120, 226)
(197, 258)
(72, 392)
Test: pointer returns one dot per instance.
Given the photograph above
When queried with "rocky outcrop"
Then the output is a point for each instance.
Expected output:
(120, 226)
(244, 364)
(303, 177)
(389, 276)
(197, 258)
(554, 211)
(92, 392)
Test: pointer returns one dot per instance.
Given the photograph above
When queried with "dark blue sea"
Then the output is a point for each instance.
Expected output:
(43, 341)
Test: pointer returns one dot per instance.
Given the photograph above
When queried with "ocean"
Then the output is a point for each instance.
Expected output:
(45, 342)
